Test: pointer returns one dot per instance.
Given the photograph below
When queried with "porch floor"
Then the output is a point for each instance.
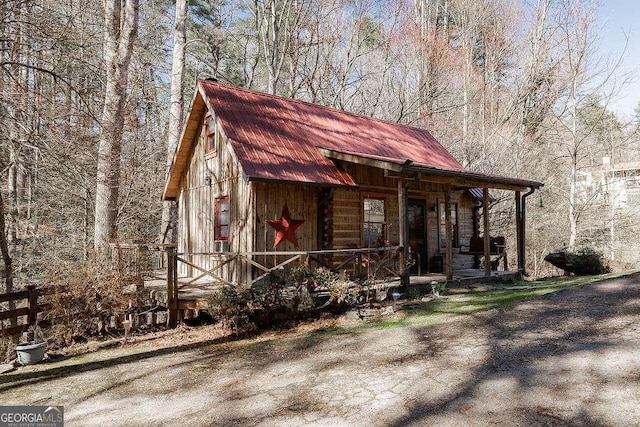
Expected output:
(193, 293)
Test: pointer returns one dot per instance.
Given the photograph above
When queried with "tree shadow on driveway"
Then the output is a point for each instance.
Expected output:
(550, 360)
(75, 365)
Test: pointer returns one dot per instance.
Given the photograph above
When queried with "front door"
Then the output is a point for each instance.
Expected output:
(416, 220)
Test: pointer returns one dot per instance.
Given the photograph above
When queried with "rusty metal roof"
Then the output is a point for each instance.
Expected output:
(270, 137)
(282, 139)
(278, 138)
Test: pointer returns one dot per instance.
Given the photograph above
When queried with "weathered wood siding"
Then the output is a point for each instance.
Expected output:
(348, 207)
(302, 202)
(252, 204)
(212, 175)
(347, 214)
(465, 228)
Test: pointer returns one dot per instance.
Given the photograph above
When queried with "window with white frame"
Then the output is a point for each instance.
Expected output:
(374, 221)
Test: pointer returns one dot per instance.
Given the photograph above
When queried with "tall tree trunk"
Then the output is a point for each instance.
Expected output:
(170, 209)
(467, 48)
(121, 25)
(12, 229)
(428, 45)
(4, 248)
(276, 22)
(573, 213)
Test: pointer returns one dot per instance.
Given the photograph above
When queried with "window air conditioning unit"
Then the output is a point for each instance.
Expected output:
(221, 246)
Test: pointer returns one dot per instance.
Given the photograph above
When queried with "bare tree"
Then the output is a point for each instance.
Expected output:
(4, 248)
(586, 75)
(176, 102)
(121, 26)
(276, 22)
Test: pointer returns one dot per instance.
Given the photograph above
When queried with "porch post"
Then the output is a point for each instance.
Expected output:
(172, 287)
(523, 227)
(487, 237)
(519, 237)
(404, 232)
(448, 258)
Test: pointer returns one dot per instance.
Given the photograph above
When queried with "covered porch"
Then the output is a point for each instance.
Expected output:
(413, 183)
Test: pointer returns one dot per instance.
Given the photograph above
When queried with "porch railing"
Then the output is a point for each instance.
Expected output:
(141, 261)
(364, 263)
(253, 268)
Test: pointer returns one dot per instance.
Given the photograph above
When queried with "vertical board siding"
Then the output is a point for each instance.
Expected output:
(208, 177)
(302, 202)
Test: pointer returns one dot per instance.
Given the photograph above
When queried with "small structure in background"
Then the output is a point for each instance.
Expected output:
(609, 198)
(616, 185)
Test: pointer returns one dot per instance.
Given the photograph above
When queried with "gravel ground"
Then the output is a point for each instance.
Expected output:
(570, 358)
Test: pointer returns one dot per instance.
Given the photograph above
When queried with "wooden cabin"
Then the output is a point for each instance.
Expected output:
(260, 179)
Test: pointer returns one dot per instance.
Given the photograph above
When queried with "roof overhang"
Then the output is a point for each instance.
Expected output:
(372, 161)
(456, 178)
(469, 179)
(306, 183)
(186, 143)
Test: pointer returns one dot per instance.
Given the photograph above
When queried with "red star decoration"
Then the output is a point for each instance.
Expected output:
(285, 227)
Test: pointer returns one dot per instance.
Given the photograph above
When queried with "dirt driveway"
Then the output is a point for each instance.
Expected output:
(570, 358)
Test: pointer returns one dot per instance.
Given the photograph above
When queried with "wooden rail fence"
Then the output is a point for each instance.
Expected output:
(372, 263)
(21, 308)
(27, 306)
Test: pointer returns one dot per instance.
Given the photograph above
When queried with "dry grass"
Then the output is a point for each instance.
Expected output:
(90, 298)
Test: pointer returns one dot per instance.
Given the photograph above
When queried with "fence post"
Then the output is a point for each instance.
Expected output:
(172, 286)
(32, 317)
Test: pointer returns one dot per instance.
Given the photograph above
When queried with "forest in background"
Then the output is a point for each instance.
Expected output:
(518, 88)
